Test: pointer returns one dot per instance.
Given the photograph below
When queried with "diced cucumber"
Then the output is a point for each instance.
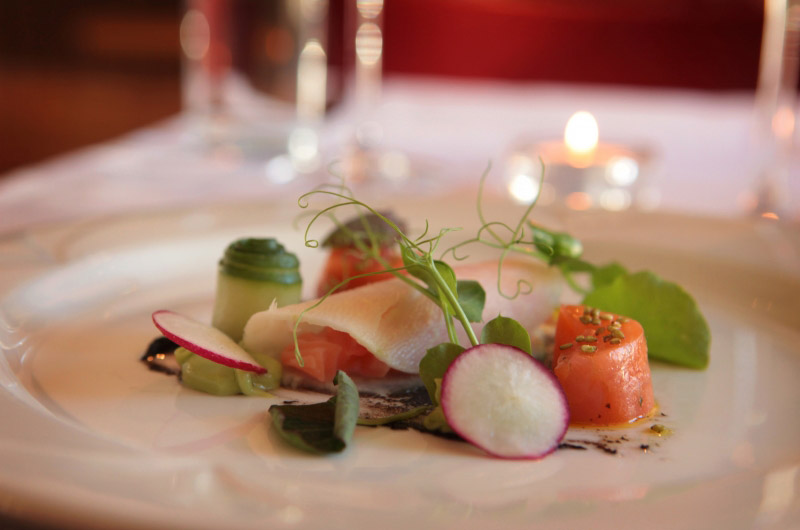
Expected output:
(182, 354)
(207, 376)
(252, 384)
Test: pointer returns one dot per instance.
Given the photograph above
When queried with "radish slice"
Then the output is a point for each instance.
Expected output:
(205, 341)
(504, 401)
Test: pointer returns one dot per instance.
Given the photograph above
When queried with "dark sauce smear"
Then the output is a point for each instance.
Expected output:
(611, 444)
(159, 356)
(377, 406)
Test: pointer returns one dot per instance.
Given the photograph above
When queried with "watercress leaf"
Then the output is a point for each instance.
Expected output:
(504, 330)
(569, 265)
(435, 421)
(472, 298)
(322, 427)
(435, 364)
(607, 274)
(675, 329)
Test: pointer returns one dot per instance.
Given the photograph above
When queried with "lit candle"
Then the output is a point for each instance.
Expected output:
(581, 136)
(580, 170)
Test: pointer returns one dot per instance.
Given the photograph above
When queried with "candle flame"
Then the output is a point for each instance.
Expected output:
(581, 133)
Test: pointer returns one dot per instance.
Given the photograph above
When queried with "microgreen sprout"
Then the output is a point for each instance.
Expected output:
(524, 238)
(432, 278)
(611, 285)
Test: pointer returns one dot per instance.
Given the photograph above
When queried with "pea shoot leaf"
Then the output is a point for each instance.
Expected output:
(504, 330)
(472, 298)
(421, 270)
(435, 364)
(674, 326)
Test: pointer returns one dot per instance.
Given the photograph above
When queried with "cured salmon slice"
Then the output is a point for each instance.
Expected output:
(329, 351)
(345, 263)
(600, 359)
(397, 324)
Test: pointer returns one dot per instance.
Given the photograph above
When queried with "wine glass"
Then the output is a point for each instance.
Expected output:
(254, 81)
(365, 159)
(776, 99)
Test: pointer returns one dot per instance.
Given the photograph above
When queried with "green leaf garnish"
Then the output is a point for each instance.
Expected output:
(557, 245)
(605, 275)
(434, 365)
(675, 329)
(504, 330)
(472, 298)
(463, 302)
(418, 268)
(435, 421)
(439, 282)
(322, 427)
(431, 370)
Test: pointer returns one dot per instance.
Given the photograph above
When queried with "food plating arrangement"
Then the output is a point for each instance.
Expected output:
(481, 351)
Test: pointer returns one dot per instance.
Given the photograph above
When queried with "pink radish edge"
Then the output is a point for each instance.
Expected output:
(241, 363)
(562, 405)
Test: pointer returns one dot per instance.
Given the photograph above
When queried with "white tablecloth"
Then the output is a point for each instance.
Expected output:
(705, 156)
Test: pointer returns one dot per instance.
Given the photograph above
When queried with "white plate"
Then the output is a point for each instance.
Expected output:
(90, 438)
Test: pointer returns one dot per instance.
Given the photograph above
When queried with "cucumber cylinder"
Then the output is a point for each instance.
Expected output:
(207, 376)
(253, 273)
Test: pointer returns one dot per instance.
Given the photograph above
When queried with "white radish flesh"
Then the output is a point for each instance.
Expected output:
(504, 401)
(205, 341)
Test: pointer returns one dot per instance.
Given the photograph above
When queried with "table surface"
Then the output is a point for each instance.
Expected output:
(705, 151)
